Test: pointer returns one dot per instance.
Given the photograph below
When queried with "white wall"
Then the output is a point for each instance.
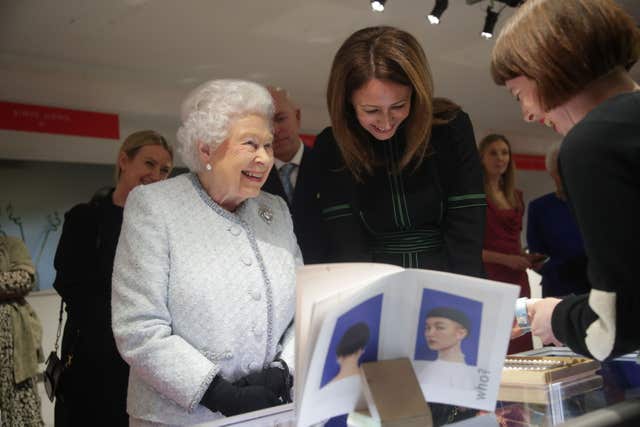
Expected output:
(533, 185)
(39, 189)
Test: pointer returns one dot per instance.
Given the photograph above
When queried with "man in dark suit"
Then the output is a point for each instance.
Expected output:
(291, 177)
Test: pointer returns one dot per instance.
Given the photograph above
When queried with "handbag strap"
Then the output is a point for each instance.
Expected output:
(55, 346)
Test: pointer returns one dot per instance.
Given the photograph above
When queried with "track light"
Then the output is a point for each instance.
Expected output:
(378, 5)
(438, 10)
(489, 23)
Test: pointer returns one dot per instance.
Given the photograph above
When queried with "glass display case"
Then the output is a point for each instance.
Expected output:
(533, 405)
(550, 405)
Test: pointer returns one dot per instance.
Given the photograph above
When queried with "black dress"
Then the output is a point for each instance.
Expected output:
(431, 218)
(94, 387)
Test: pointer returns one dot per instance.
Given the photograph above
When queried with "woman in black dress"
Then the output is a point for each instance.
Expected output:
(400, 180)
(399, 177)
(94, 387)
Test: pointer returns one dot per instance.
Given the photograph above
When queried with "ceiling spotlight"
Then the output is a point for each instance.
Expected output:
(378, 5)
(489, 23)
(438, 10)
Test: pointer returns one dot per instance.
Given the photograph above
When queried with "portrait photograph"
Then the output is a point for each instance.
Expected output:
(448, 321)
(354, 341)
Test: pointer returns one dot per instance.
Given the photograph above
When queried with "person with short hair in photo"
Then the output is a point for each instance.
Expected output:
(445, 328)
(349, 350)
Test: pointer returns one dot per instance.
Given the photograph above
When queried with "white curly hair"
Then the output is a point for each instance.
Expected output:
(209, 111)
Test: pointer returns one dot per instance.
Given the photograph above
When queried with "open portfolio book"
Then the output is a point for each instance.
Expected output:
(454, 329)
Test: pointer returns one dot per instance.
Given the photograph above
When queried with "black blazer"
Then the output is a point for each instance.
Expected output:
(305, 210)
(432, 217)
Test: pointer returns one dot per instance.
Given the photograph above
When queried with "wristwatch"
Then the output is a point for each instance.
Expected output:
(522, 317)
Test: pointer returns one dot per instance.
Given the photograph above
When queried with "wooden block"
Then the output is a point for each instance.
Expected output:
(394, 395)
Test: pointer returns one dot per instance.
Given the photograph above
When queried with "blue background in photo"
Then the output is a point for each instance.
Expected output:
(472, 308)
(367, 312)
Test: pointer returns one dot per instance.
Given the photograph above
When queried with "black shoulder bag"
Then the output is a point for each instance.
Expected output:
(54, 366)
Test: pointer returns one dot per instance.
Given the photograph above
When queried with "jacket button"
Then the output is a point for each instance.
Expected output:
(228, 355)
(254, 366)
(246, 260)
(235, 231)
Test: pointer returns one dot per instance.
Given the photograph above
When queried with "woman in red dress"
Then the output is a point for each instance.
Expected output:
(502, 254)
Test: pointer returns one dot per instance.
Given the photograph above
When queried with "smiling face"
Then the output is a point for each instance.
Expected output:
(381, 106)
(442, 333)
(149, 164)
(286, 125)
(495, 158)
(525, 90)
(241, 164)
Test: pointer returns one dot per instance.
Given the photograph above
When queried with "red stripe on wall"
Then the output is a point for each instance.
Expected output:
(59, 121)
(529, 162)
(523, 161)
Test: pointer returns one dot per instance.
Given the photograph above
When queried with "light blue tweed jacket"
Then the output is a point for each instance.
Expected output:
(198, 290)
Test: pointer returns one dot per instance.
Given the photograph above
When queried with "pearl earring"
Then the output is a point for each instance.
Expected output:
(208, 167)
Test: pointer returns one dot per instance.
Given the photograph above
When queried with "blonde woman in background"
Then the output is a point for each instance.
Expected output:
(503, 256)
(94, 388)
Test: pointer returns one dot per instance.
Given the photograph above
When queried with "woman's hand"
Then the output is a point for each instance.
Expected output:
(516, 262)
(540, 312)
(537, 260)
(230, 399)
(278, 380)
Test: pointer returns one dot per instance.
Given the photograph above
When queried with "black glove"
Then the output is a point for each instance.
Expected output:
(278, 380)
(230, 399)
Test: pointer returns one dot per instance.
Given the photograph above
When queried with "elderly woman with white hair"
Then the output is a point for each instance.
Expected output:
(204, 276)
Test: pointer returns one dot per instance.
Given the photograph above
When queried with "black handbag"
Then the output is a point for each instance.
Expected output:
(55, 367)
(52, 375)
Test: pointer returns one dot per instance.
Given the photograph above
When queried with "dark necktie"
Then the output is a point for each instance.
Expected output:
(285, 176)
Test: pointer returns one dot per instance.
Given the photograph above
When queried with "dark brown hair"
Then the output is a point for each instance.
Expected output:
(355, 338)
(384, 53)
(563, 45)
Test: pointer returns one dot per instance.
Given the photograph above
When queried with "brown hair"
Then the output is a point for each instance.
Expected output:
(390, 54)
(134, 142)
(508, 178)
(563, 45)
